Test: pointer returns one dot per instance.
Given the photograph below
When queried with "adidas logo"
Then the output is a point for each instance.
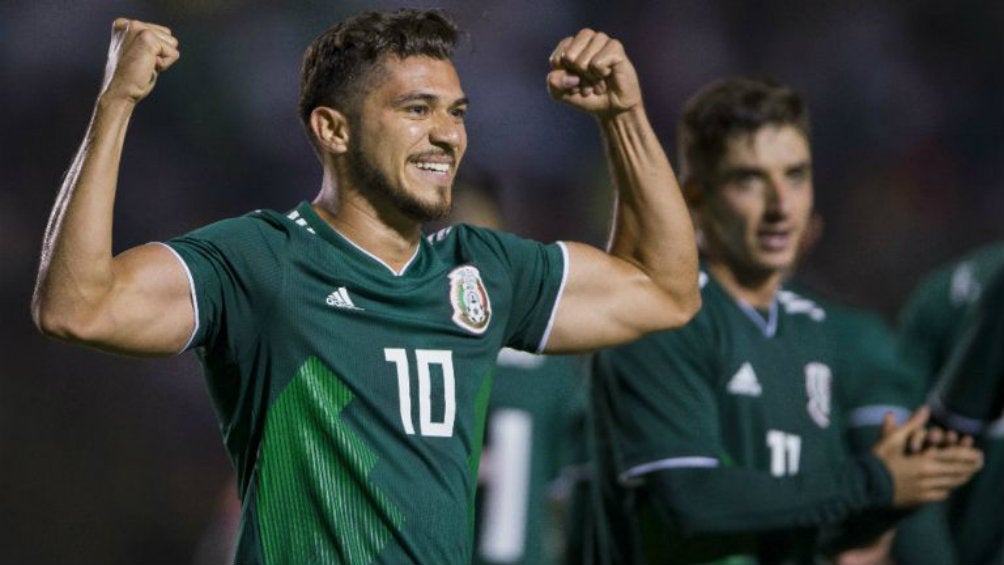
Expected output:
(340, 299)
(744, 382)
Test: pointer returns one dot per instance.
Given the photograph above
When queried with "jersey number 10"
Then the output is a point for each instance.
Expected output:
(425, 359)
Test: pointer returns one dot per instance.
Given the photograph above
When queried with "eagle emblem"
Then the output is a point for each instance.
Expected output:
(472, 309)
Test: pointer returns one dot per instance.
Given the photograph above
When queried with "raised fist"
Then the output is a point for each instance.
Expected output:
(591, 72)
(137, 53)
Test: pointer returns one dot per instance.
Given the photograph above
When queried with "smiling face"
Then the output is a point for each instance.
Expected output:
(408, 136)
(754, 215)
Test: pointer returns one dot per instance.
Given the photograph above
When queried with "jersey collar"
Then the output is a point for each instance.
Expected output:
(768, 323)
(315, 224)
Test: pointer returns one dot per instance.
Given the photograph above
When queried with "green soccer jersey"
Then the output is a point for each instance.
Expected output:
(352, 398)
(535, 405)
(874, 378)
(933, 317)
(932, 324)
(735, 415)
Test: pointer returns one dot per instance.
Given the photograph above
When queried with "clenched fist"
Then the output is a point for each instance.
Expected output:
(591, 72)
(137, 53)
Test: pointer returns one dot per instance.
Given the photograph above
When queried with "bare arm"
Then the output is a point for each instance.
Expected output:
(647, 280)
(137, 302)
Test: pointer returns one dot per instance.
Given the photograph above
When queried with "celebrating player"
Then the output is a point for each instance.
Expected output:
(348, 356)
(722, 439)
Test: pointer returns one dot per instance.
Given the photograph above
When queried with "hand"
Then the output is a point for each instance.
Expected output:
(928, 475)
(934, 437)
(591, 72)
(137, 53)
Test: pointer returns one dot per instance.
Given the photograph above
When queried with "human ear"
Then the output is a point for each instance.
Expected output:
(330, 128)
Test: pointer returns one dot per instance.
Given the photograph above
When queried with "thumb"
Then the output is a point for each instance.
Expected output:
(560, 80)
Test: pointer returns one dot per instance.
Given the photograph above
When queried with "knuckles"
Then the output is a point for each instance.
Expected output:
(148, 37)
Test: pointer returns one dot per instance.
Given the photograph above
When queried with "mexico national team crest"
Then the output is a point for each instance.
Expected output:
(818, 382)
(472, 310)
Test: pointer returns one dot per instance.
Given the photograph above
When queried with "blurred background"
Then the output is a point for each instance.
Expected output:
(113, 460)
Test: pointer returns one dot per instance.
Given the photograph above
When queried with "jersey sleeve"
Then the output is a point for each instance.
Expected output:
(234, 271)
(661, 409)
(537, 274)
(738, 499)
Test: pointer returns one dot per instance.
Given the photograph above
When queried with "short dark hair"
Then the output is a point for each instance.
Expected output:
(728, 107)
(345, 53)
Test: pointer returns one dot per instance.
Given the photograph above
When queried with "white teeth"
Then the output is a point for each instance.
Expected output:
(437, 167)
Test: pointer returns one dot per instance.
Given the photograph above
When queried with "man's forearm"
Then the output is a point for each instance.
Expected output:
(76, 261)
(732, 500)
(651, 227)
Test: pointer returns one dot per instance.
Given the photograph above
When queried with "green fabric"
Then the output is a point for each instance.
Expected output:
(414, 351)
(752, 397)
(965, 529)
(970, 387)
(874, 377)
(536, 402)
(329, 457)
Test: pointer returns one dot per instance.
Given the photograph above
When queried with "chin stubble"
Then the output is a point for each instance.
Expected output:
(376, 186)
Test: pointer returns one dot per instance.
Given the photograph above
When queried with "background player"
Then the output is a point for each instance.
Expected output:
(527, 442)
(941, 334)
(294, 314)
(723, 439)
(521, 491)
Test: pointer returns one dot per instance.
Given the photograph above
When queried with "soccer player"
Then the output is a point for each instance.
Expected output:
(722, 440)
(951, 331)
(349, 357)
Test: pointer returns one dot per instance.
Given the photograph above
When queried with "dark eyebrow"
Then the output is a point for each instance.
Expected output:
(741, 170)
(428, 99)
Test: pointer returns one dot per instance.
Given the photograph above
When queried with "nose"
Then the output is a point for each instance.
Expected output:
(778, 197)
(448, 133)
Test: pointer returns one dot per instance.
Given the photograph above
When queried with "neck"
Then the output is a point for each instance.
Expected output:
(384, 232)
(757, 290)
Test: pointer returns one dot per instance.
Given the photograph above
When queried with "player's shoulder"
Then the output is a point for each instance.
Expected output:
(468, 243)
(247, 229)
(857, 324)
(467, 234)
(835, 310)
(802, 306)
(959, 282)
